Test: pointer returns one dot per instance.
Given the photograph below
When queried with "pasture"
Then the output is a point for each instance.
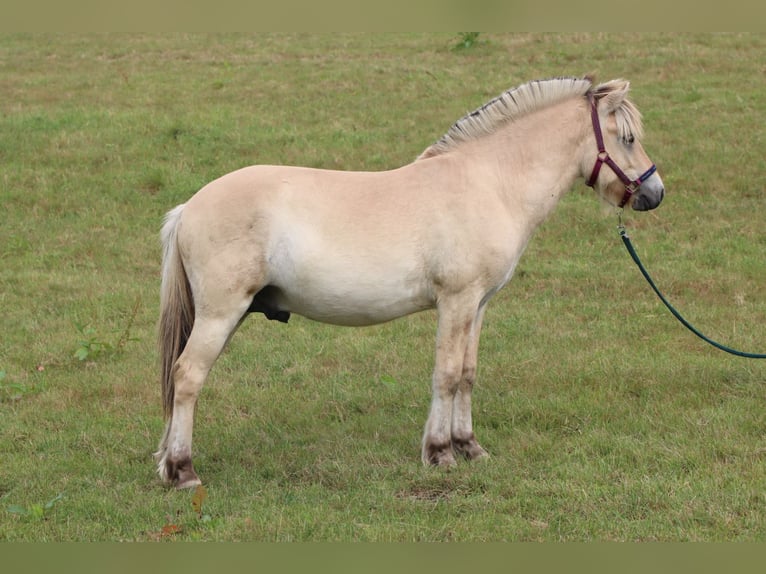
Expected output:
(604, 418)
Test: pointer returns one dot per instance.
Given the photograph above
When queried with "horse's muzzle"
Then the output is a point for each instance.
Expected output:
(649, 195)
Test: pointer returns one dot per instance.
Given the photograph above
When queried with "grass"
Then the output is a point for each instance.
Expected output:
(605, 418)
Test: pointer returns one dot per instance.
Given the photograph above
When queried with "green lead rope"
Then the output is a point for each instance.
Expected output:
(676, 314)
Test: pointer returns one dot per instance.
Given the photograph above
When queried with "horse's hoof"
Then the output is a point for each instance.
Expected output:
(179, 474)
(469, 448)
(190, 481)
(439, 455)
(483, 455)
(185, 477)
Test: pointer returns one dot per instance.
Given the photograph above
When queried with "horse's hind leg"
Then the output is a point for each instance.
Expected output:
(463, 439)
(206, 341)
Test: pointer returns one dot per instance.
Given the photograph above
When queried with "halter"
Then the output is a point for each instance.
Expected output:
(631, 186)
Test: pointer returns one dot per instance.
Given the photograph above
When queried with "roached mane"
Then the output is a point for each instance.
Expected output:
(517, 102)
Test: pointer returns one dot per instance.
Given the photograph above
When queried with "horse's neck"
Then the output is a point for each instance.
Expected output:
(537, 160)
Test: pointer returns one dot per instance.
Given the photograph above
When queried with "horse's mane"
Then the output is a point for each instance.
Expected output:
(519, 101)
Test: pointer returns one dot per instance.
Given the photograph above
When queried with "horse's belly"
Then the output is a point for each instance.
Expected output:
(355, 296)
(346, 270)
(350, 307)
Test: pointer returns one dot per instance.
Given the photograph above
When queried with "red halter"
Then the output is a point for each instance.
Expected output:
(631, 186)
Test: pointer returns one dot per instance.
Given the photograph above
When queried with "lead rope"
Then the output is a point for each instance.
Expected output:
(676, 314)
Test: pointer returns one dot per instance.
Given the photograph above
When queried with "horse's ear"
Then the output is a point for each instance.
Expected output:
(612, 94)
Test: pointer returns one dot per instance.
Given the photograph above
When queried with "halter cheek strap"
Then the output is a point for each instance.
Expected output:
(631, 186)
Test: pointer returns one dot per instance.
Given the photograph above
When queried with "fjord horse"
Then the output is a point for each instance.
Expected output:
(359, 248)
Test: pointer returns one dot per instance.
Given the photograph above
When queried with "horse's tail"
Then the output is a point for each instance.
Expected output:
(176, 307)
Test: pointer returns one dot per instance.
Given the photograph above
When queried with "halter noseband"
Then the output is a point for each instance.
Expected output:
(631, 186)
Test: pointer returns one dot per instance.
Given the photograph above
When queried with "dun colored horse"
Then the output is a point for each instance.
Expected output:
(359, 248)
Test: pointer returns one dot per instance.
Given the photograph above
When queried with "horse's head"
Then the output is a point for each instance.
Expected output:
(632, 178)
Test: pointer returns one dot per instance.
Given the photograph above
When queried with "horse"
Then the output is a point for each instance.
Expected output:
(361, 248)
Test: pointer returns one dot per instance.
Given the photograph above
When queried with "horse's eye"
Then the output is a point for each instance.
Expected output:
(629, 139)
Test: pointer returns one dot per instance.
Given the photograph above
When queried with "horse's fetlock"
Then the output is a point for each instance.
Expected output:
(469, 379)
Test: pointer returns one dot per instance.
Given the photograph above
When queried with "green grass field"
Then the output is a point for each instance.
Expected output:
(605, 419)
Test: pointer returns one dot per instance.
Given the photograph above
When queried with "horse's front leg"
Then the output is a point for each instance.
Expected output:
(456, 317)
(463, 439)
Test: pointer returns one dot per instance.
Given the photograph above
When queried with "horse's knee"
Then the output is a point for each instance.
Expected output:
(447, 382)
(468, 378)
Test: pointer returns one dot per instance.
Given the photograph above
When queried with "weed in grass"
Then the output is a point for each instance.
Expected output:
(35, 511)
(389, 382)
(13, 391)
(91, 347)
(466, 40)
